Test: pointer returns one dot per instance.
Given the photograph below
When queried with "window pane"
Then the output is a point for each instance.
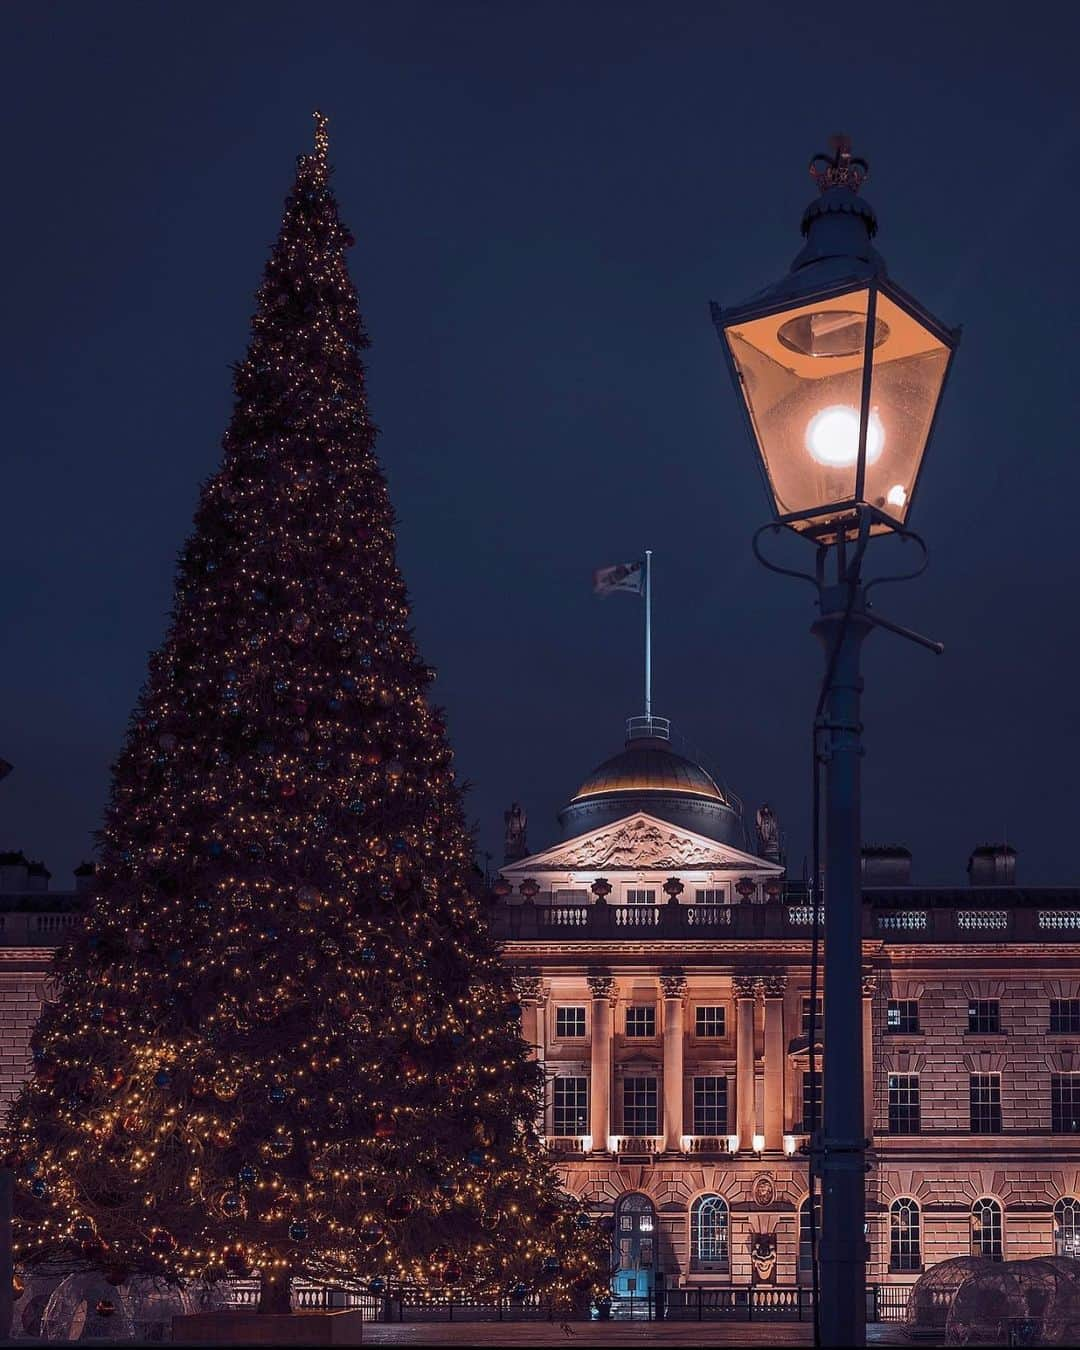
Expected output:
(709, 1231)
(641, 1019)
(710, 1106)
(984, 1016)
(1067, 1227)
(905, 1251)
(904, 1108)
(570, 1022)
(1065, 1016)
(985, 1091)
(812, 1088)
(903, 1015)
(806, 1015)
(709, 1021)
(710, 897)
(639, 1106)
(1065, 1103)
(986, 1229)
(638, 897)
(806, 1250)
(570, 1114)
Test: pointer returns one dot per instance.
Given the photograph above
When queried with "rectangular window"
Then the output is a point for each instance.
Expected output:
(710, 897)
(812, 1087)
(710, 1106)
(709, 1021)
(1065, 1017)
(638, 897)
(984, 1016)
(641, 1019)
(904, 1114)
(571, 1106)
(902, 1016)
(569, 1022)
(639, 1106)
(1065, 1103)
(985, 1091)
(572, 897)
(819, 1014)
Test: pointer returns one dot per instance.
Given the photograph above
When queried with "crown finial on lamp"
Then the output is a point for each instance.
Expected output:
(840, 168)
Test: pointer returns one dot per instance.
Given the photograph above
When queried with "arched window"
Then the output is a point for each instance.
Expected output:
(1067, 1226)
(806, 1244)
(986, 1228)
(709, 1233)
(905, 1235)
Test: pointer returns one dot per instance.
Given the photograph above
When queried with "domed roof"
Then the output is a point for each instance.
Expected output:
(649, 765)
(648, 775)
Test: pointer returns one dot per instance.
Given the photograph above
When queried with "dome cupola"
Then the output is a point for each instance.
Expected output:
(650, 775)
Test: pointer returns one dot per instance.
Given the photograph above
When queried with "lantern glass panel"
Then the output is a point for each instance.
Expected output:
(801, 373)
(909, 372)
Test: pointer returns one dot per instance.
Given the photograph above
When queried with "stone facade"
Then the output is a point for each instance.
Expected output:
(665, 981)
(667, 998)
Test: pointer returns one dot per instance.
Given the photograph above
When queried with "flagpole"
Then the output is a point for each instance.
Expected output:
(648, 634)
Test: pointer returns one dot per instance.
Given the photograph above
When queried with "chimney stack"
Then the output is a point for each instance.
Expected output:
(13, 867)
(84, 877)
(992, 865)
(886, 865)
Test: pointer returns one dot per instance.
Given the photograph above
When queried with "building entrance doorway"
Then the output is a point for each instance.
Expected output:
(635, 1247)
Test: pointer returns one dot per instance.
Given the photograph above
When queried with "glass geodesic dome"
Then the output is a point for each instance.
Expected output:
(976, 1301)
(933, 1292)
(86, 1307)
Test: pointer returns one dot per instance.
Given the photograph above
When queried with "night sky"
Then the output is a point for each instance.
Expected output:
(545, 198)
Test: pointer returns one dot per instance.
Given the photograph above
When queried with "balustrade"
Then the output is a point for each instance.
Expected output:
(982, 919)
(909, 920)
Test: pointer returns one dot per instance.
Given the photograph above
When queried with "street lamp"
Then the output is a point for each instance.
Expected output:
(840, 371)
(840, 374)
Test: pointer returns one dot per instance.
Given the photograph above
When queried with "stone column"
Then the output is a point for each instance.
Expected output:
(532, 996)
(869, 985)
(773, 986)
(674, 987)
(530, 992)
(745, 987)
(601, 987)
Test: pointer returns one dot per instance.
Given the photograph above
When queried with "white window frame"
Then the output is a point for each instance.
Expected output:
(640, 1035)
(565, 1036)
(722, 1127)
(721, 1008)
(639, 895)
(582, 1091)
(644, 1105)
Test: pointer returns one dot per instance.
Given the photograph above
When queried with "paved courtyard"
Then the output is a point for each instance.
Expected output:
(609, 1333)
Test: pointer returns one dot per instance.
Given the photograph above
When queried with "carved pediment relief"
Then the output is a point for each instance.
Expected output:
(642, 842)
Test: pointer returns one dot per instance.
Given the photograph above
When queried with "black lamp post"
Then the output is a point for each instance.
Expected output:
(840, 374)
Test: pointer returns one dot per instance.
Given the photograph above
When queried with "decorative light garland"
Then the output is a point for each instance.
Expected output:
(283, 1042)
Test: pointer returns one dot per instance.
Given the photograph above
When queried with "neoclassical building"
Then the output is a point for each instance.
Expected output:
(664, 969)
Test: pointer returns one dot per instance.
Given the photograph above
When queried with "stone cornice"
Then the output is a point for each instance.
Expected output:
(27, 958)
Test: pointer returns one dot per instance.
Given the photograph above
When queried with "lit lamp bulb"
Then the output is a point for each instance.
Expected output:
(832, 437)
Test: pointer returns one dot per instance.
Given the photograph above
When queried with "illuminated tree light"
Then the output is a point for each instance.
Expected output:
(285, 909)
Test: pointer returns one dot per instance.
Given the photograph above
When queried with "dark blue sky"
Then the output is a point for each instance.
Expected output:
(545, 197)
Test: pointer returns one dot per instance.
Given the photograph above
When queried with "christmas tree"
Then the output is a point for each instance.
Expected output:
(283, 1043)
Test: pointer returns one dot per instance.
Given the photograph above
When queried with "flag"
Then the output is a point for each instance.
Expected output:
(628, 576)
(5, 768)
